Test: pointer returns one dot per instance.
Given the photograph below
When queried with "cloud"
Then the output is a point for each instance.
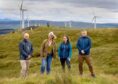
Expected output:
(106, 4)
(61, 9)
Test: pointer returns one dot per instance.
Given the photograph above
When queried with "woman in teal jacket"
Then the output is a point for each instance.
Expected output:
(65, 52)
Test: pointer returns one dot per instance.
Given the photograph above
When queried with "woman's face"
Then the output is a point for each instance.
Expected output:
(65, 39)
(50, 37)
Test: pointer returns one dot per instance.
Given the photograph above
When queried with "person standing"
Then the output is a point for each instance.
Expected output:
(84, 46)
(26, 50)
(48, 51)
(65, 52)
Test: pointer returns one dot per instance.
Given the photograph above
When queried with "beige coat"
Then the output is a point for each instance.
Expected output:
(44, 49)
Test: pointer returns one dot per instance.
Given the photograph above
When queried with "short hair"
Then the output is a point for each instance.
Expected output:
(84, 31)
(26, 34)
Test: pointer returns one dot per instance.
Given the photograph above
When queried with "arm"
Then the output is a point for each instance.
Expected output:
(31, 50)
(89, 45)
(42, 48)
(22, 50)
(70, 51)
(78, 45)
(55, 50)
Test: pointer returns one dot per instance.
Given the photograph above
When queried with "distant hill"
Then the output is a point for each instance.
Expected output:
(5, 31)
(13, 24)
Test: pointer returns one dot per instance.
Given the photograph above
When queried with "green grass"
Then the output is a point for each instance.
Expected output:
(104, 55)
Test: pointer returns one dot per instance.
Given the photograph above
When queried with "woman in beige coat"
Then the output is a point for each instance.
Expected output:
(48, 51)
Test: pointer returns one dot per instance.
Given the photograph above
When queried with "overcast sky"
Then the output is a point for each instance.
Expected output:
(62, 10)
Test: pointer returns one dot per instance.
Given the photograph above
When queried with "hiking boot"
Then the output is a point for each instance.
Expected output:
(93, 75)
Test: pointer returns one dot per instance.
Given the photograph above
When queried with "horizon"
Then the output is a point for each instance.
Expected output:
(7, 19)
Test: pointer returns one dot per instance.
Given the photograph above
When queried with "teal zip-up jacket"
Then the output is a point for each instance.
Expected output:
(65, 50)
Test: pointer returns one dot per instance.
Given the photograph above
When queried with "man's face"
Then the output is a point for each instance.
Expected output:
(84, 33)
(26, 36)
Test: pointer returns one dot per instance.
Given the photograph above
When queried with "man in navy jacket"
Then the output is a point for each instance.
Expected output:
(26, 50)
(84, 46)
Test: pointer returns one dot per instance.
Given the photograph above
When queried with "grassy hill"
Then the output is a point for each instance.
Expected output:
(104, 55)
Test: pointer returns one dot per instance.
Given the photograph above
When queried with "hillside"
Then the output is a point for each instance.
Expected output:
(104, 55)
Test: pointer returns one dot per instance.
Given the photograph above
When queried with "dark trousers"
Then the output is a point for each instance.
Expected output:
(88, 61)
(63, 61)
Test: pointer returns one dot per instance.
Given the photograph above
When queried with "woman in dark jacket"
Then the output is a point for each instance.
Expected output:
(65, 52)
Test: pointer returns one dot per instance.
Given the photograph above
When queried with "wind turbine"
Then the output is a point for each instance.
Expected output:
(28, 20)
(70, 24)
(22, 10)
(94, 22)
(94, 19)
(65, 24)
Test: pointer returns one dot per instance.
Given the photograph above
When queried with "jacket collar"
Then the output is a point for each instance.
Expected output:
(25, 40)
(84, 36)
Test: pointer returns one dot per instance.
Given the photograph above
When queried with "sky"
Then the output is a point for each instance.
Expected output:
(62, 10)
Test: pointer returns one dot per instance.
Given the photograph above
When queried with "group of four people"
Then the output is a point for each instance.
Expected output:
(48, 52)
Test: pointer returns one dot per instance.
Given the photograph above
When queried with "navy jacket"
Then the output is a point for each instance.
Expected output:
(65, 50)
(26, 49)
(84, 43)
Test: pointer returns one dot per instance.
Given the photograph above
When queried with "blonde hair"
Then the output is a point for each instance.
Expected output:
(51, 33)
(84, 31)
(25, 35)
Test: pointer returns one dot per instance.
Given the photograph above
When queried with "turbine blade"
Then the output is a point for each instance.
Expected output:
(21, 7)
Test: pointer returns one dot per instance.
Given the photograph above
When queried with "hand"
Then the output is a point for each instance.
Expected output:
(29, 57)
(68, 59)
(82, 52)
(52, 60)
(59, 58)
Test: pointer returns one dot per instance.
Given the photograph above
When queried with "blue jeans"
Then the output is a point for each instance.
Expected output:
(46, 63)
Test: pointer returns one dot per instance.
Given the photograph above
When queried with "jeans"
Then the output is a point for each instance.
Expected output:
(46, 63)
(63, 61)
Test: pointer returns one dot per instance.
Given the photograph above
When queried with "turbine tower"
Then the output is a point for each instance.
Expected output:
(28, 20)
(70, 24)
(22, 10)
(94, 22)
(65, 24)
